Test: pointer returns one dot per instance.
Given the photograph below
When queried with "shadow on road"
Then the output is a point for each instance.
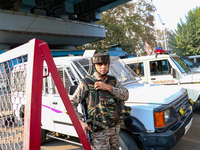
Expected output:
(191, 140)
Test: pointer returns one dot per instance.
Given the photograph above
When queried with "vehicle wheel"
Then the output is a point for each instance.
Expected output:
(43, 136)
(126, 141)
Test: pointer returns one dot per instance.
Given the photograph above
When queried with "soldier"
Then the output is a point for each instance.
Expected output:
(104, 96)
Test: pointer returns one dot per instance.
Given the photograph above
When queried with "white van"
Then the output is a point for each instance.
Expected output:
(194, 58)
(156, 115)
(169, 70)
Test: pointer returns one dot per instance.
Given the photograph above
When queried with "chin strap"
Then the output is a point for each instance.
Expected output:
(100, 73)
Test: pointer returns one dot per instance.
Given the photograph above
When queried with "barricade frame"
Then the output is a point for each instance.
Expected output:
(38, 52)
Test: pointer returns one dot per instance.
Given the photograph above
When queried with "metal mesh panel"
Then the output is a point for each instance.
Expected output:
(65, 78)
(12, 100)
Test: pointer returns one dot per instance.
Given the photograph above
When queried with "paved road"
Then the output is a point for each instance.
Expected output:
(191, 141)
(53, 144)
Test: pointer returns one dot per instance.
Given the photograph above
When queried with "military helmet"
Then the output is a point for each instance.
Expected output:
(100, 58)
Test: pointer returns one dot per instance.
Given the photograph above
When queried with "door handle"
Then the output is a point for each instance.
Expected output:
(153, 78)
(55, 103)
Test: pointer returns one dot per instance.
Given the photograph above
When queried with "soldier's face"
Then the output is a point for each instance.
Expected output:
(102, 67)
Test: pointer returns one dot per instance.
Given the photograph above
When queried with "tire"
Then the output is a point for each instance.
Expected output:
(43, 136)
(126, 141)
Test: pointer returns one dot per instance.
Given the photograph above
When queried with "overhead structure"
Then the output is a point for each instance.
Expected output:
(163, 30)
(62, 24)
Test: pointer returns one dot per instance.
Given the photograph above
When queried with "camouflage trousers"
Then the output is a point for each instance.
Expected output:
(106, 139)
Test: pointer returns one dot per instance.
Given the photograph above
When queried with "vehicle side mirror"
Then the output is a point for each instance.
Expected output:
(173, 72)
(72, 89)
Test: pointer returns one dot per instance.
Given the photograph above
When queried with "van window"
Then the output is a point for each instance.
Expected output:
(195, 58)
(45, 81)
(161, 67)
(198, 60)
(138, 68)
(67, 77)
(84, 66)
(72, 76)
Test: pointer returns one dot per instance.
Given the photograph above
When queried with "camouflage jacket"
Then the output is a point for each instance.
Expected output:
(81, 93)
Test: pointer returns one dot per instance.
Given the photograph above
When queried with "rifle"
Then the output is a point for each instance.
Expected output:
(83, 106)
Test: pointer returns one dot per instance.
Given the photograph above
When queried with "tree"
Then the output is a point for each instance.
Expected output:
(186, 39)
(126, 25)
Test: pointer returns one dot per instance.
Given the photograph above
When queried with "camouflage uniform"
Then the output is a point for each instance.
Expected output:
(105, 139)
(100, 138)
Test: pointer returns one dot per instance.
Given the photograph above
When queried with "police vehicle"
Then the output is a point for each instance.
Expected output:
(170, 70)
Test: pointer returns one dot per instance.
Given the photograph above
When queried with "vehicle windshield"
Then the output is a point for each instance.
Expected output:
(187, 61)
(181, 64)
(190, 63)
(122, 71)
(117, 68)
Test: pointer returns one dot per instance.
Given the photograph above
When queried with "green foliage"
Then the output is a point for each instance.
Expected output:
(186, 39)
(125, 25)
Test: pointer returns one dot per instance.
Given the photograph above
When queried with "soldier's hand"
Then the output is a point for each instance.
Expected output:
(102, 86)
(85, 127)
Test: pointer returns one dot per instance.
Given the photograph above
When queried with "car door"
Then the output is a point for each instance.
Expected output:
(160, 72)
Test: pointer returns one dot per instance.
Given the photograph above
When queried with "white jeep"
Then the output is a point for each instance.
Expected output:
(171, 70)
(160, 115)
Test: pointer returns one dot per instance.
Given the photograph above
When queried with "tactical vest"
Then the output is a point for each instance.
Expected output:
(103, 109)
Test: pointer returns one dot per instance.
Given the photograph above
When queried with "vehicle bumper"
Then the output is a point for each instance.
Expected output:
(166, 140)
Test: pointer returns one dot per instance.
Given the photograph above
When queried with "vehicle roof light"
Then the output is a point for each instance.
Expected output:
(159, 50)
(159, 119)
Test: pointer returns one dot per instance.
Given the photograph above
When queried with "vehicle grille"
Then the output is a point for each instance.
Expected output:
(182, 102)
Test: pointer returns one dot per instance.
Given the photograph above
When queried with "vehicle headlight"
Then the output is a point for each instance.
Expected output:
(167, 115)
(191, 101)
